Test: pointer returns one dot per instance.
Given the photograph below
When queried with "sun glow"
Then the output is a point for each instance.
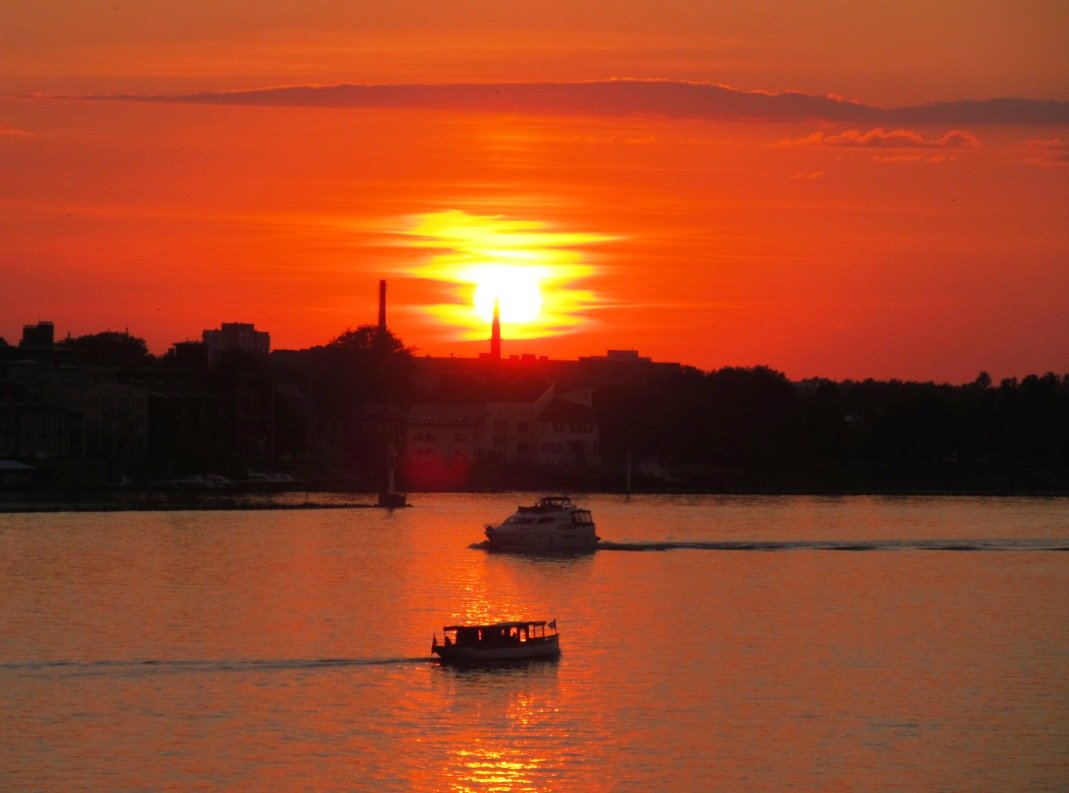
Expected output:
(516, 289)
(528, 269)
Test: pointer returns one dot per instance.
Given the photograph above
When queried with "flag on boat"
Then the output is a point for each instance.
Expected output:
(553, 623)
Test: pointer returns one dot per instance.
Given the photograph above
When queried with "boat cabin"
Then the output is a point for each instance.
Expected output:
(499, 634)
(498, 642)
(551, 509)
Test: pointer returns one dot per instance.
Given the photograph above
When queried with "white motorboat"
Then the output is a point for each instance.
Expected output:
(554, 524)
(498, 642)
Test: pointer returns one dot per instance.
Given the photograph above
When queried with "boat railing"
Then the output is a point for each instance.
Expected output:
(554, 502)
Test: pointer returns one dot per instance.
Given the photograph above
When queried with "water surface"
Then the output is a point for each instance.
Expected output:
(717, 644)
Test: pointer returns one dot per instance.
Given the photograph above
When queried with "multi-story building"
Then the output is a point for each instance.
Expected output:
(115, 422)
(567, 431)
(446, 432)
(553, 430)
(31, 431)
(38, 336)
(236, 336)
(441, 444)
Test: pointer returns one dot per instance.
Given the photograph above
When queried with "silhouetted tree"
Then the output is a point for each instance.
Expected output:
(110, 348)
(733, 419)
(731, 428)
(359, 367)
(367, 339)
(364, 365)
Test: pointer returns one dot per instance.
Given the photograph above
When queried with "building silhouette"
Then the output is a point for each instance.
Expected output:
(40, 335)
(382, 306)
(236, 336)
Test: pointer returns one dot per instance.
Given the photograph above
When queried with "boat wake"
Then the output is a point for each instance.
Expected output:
(1032, 545)
(834, 545)
(153, 666)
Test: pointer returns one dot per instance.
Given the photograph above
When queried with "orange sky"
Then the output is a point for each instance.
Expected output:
(698, 225)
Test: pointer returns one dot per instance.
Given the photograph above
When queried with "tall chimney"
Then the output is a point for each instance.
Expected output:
(382, 305)
(495, 333)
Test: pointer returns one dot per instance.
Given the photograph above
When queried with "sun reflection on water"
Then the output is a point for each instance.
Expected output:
(508, 732)
(487, 769)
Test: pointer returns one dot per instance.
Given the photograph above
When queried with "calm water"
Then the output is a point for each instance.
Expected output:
(729, 644)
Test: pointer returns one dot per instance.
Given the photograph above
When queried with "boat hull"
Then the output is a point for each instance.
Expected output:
(553, 525)
(528, 651)
(541, 542)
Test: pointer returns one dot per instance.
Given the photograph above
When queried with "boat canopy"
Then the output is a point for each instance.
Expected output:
(549, 504)
(552, 624)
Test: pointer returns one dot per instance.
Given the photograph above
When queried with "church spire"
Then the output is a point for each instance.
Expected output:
(495, 333)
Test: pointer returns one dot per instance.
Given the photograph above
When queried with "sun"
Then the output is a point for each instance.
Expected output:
(528, 268)
(516, 289)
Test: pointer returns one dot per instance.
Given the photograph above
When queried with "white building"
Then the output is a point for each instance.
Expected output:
(567, 431)
(446, 432)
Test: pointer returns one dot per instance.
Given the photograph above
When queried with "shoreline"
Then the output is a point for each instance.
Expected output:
(28, 502)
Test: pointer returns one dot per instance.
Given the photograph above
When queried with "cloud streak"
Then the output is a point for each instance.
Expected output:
(887, 139)
(667, 98)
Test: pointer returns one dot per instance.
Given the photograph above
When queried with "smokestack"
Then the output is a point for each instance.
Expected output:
(382, 305)
(495, 333)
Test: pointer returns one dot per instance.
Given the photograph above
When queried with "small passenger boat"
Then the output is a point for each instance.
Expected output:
(498, 642)
(552, 524)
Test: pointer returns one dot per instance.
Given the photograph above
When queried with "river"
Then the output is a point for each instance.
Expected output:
(715, 643)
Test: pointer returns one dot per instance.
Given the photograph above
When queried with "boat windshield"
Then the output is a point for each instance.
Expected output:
(523, 520)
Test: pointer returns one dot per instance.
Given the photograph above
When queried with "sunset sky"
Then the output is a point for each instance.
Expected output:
(837, 189)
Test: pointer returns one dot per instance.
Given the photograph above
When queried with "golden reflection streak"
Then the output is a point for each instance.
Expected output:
(489, 770)
(539, 265)
(507, 737)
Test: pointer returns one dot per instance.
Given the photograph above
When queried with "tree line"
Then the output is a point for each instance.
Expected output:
(727, 430)
(752, 429)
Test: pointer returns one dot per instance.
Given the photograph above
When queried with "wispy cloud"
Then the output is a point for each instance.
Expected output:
(1049, 152)
(669, 98)
(893, 158)
(887, 139)
(6, 131)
